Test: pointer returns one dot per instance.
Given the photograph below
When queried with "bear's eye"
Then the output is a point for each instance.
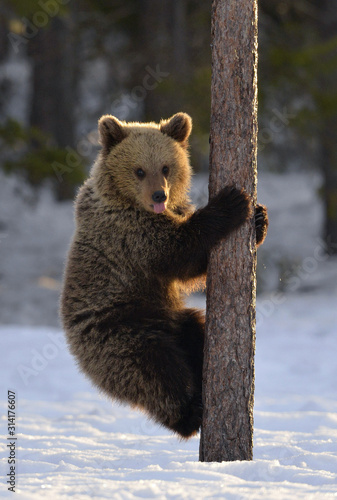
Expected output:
(140, 173)
(165, 171)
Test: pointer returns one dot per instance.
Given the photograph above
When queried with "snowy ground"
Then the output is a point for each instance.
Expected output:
(73, 443)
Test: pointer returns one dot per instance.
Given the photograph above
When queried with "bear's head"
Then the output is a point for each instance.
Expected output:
(144, 164)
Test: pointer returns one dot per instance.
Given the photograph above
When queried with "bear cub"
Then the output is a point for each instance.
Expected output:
(137, 246)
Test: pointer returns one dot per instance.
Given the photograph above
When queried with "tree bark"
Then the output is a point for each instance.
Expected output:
(228, 376)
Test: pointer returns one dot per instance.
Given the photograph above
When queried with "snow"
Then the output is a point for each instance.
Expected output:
(74, 443)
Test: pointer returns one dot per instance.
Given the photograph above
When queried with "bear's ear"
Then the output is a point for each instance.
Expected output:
(111, 132)
(178, 127)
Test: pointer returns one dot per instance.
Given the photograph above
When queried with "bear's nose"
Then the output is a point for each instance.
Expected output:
(159, 196)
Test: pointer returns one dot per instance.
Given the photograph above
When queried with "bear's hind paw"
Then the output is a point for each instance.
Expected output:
(190, 423)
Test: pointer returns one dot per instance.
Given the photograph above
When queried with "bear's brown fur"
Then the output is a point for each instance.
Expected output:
(138, 244)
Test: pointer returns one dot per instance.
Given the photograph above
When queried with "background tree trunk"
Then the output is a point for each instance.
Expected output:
(228, 378)
(53, 92)
(164, 42)
(327, 25)
(3, 33)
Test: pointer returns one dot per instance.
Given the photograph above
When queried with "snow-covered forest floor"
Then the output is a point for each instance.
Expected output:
(71, 442)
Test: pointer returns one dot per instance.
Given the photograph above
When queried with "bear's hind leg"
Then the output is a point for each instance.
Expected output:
(191, 340)
(144, 365)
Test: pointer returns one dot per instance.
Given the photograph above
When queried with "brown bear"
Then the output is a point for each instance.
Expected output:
(138, 245)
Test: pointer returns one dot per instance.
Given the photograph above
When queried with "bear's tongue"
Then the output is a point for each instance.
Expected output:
(159, 207)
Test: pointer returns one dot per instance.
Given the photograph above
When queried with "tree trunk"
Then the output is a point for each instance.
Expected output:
(228, 377)
(164, 42)
(329, 169)
(3, 33)
(179, 40)
(155, 40)
(327, 25)
(53, 96)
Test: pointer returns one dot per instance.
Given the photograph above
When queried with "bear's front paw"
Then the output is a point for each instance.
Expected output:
(261, 223)
(233, 205)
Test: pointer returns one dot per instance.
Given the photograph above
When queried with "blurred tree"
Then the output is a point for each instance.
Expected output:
(53, 93)
(163, 32)
(43, 161)
(3, 32)
(326, 99)
(299, 59)
(175, 40)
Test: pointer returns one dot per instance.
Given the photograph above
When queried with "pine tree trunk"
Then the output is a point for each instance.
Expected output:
(228, 378)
